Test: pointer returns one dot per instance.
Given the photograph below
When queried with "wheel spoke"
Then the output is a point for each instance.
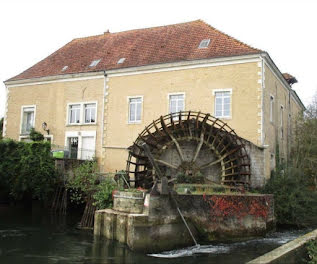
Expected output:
(165, 163)
(209, 164)
(166, 130)
(199, 146)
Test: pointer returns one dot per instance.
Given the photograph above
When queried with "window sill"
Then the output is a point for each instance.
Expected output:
(134, 123)
(90, 124)
(25, 134)
(224, 117)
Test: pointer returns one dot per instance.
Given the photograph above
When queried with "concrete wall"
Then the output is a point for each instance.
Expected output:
(210, 218)
(197, 85)
(51, 101)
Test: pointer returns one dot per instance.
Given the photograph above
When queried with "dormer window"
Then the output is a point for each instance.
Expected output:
(121, 60)
(65, 68)
(204, 44)
(94, 63)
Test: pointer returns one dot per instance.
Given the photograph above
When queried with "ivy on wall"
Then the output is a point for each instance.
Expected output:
(26, 169)
(227, 206)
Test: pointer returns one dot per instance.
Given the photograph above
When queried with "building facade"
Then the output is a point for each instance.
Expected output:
(97, 104)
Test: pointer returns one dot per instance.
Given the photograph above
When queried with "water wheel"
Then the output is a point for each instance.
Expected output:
(191, 146)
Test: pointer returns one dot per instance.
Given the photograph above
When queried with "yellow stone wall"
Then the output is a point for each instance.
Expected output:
(197, 84)
(51, 101)
(245, 80)
(272, 129)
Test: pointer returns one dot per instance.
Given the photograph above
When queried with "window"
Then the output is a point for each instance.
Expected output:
(121, 60)
(28, 114)
(74, 114)
(90, 113)
(222, 104)
(271, 108)
(82, 113)
(80, 145)
(94, 63)
(204, 43)
(65, 68)
(176, 103)
(135, 109)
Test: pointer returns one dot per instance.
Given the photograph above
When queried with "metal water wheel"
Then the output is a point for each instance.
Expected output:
(192, 146)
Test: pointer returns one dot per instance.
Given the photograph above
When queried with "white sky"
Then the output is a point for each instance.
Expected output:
(31, 30)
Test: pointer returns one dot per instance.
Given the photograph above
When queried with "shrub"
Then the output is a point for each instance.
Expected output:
(83, 181)
(312, 251)
(36, 136)
(103, 195)
(295, 203)
(26, 169)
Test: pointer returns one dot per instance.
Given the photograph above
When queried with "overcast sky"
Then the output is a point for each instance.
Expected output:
(31, 30)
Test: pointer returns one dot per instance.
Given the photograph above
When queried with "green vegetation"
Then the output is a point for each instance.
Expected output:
(103, 195)
(195, 178)
(35, 135)
(294, 184)
(83, 182)
(26, 169)
(86, 181)
(295, 203)
(312, 252)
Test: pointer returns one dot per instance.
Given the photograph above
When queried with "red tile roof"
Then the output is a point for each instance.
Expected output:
(140, 47)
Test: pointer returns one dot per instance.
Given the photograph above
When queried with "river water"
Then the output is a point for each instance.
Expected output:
(32, 237)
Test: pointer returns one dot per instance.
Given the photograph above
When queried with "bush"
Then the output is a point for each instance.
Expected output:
(103, 195)
(36, 136)
(83, 181)
(312, 252)
(295, 203)
(26, 169)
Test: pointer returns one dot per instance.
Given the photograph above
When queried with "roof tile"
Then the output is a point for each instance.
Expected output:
(140, 47)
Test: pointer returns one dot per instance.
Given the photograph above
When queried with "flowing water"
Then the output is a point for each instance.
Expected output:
(34, 237)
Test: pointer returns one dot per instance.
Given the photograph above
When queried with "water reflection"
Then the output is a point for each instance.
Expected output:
(32, 236)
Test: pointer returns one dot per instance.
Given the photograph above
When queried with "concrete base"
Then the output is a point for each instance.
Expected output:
(159, 227)
(160, 230)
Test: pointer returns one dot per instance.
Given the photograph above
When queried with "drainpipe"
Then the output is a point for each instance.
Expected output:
(103, 112)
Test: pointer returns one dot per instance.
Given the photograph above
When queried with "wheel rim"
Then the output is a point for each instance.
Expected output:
(190, 143)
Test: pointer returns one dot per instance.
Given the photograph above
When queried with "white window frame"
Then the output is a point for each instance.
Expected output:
(214, 91)
(282, 121)
(169, 101)
(80, 135)
(272, 101)
(48, 136)
(128, 100)
(21, 117)
(81, 113)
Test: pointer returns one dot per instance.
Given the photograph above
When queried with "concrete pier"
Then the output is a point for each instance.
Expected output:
(152, 223)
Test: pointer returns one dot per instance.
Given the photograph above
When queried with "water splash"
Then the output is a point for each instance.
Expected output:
(187, 252)
(277, 238)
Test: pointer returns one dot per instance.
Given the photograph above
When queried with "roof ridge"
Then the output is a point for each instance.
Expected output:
(137, 29)
(233, 38)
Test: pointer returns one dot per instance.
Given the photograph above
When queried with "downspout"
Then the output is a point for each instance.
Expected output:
(103, 114)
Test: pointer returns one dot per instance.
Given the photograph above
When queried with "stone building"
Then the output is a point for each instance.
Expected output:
(98, 93)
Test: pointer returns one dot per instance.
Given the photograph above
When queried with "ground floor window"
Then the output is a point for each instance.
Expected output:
(81, 144)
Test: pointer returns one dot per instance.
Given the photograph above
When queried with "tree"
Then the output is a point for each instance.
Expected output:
(304, 154)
